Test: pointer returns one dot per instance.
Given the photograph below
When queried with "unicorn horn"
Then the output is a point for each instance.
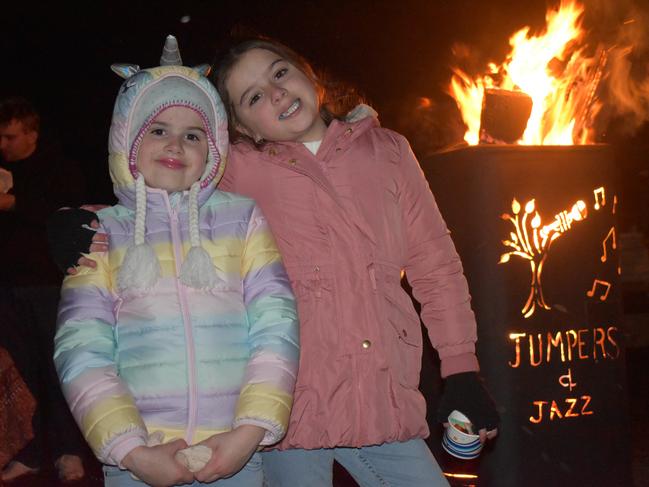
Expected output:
(170, 53)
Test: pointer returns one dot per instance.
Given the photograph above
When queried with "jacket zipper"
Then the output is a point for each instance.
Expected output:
(189, 336)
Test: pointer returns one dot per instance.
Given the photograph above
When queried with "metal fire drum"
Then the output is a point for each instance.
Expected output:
(535, 228)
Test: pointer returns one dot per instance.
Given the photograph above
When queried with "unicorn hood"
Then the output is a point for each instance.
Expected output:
(145, 94)
(142, 97)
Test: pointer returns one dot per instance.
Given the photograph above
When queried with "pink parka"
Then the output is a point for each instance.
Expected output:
(348, 221)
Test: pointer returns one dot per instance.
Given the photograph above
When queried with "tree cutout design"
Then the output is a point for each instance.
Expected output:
(531, 241)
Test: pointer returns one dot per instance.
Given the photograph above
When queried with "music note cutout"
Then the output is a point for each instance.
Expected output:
(610, 234)
(603, 297)
(599, 192)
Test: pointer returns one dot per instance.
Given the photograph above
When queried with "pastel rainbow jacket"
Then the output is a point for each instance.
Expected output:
(187, 362)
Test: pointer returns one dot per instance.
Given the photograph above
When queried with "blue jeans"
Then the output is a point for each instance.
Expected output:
(249, 476)
(407, 464)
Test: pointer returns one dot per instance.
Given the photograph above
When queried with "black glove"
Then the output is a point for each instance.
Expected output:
(466, 393)
(66, 237)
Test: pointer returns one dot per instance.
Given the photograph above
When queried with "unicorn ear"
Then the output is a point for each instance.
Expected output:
(170, 53)
(203, 69)
(124, 70)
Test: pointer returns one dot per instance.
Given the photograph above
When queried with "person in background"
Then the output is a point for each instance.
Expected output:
(186, 333)
(35, 180)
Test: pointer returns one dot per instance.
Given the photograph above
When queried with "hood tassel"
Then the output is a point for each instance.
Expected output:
(140, 270)
(197, 270)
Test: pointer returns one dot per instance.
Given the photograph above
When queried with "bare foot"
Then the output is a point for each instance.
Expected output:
(16, 469)
(70, 467)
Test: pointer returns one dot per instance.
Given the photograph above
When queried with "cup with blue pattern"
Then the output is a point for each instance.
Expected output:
(459, 438)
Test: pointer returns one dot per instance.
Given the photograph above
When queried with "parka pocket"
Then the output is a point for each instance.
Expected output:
(406, 355)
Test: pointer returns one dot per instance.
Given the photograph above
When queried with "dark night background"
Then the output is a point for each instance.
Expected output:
(58, 54)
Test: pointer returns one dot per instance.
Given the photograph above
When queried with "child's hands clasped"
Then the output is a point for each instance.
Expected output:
(230, 452)
(156, 465)
(164, 464)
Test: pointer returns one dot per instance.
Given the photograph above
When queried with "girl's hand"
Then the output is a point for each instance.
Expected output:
(93, 208)
(156, 465)
(466, 393)
(70, 232)
(99, 243)
(230, 452)
(483, 433)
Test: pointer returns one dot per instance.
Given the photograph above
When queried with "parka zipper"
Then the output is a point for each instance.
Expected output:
(318, 289)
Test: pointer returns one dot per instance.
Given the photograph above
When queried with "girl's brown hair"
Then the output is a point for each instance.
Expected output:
(336, 99)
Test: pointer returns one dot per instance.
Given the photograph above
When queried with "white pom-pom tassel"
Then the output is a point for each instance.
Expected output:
(140, 269)
(197, 271)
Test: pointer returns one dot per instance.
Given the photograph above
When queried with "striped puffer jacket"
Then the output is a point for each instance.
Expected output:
(188, 362)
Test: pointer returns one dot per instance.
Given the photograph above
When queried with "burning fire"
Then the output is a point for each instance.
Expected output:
(553, 69)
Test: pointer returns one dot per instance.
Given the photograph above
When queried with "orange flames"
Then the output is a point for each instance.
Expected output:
(553, 69)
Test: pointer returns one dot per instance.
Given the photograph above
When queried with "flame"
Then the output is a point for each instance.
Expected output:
(553, 70)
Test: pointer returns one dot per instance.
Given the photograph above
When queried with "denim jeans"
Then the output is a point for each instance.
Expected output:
(249, 476)
(407, 464)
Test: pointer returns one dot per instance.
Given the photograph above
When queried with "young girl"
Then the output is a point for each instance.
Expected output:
(187, 326)
(352, 212)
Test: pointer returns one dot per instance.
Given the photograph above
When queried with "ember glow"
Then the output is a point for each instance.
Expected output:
(554, 69)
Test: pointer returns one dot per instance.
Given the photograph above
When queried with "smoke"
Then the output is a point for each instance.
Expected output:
(621, 28)
(430, 124)
(627, 91)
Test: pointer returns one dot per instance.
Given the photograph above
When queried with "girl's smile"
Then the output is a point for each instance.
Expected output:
(295, 106)
(171, 163)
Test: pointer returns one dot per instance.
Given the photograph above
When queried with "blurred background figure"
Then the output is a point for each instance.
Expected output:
(35, 180)
(16, 410)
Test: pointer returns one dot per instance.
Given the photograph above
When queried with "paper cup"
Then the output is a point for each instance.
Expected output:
(459, 440)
